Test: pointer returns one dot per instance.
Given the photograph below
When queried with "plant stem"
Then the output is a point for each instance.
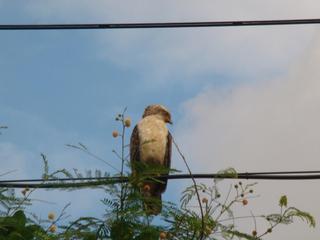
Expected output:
(195, 187)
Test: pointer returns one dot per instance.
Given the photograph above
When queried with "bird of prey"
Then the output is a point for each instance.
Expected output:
(151, 144)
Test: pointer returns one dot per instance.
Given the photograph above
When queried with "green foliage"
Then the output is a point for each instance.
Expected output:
(292, 212)
(289, 213)
(54, 175)
(16, 227)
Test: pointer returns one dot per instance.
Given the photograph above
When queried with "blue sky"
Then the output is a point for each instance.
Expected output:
(241, 97)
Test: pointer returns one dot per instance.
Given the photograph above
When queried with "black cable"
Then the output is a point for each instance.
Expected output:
(87, 182)
(158, 25)
(305, 173)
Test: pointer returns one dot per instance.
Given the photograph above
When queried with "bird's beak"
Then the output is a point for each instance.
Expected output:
(170, 122)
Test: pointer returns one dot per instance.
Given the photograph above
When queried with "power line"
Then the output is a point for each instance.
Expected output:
(100, 181)
(284, 173)
(159, 24)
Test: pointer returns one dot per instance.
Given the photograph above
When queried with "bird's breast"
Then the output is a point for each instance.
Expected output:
(153, 135)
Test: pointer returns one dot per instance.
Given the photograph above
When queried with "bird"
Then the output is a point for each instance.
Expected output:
(151, 145)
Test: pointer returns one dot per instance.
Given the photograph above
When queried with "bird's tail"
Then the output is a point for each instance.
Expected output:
(153, 204)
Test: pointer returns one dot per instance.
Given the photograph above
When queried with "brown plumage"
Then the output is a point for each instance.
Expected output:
(151, 144)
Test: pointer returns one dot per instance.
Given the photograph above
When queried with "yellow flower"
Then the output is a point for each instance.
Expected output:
(127, 122)
(52, 228)
(51, 216)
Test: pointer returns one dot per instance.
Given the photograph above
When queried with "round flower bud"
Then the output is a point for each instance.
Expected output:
(52, 228)
(205, 200)
(163, 235)
(146, 188)
(254, 233)
(51, 216)
(115, 134)
(24, 191)
(127, 122)
(244, 202)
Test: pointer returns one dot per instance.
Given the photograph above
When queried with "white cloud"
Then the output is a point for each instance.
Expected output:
(165, 54)
(262, 127)
(141, 10)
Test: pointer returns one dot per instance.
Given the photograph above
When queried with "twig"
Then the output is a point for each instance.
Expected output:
(62, 213)
(123, 187)
(6, 173)
(195, 186)
(84, 149)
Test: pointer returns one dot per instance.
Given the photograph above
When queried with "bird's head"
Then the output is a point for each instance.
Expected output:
(158, 110)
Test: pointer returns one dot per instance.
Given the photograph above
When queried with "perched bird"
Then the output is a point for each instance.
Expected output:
(151, 145)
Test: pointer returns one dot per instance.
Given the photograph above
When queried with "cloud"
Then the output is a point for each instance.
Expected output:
(268, 126)
(141, 10)
(164, 55)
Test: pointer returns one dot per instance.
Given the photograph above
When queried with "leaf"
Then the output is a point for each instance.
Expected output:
(283, 202)
(294, 212)
(241, 235)
(98, 174)
(187, 195)
(79, 175)
(20, 218)
(277, 218)
(226, 173)
(83, 146)
(73, 146)
(89, 174)
(63, 171)
(45, 167)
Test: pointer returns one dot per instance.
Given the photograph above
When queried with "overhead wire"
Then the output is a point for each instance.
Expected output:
(100, 181)
(237, 23)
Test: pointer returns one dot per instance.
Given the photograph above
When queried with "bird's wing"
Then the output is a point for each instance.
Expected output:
(167, 156)
(134, 149)
(167, 160)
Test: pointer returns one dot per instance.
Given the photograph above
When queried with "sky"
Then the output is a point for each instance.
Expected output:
(245, 97)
